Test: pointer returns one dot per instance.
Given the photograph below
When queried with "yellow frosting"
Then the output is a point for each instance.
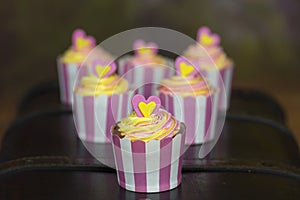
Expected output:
(94, 86)
(72, 56)
(154, 127)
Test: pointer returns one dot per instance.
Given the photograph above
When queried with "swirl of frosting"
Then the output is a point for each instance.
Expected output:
(218, 56)
(148, 60)
(78, 56)
(94, 86)
(185, 86)
(155, 127)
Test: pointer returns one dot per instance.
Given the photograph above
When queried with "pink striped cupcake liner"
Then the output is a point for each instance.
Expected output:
(198, 113)
(221, 79)
(66, 77)
(153, 166)
(144, 78)
(94, 116)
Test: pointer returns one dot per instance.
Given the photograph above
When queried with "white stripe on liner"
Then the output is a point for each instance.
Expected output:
(178, 107)
(119, 114)
(200, 118)
(127, 163)
(100, 110)
(80, 116)
(71, 71)
(152, 165)
(214, 118)
(139, 78)
(176, 143)
(227, 82)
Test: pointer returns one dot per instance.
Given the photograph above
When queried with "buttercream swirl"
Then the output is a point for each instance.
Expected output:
(196, 53)
(185, 86)
(94, 86)
(155, 127)
(148, 60)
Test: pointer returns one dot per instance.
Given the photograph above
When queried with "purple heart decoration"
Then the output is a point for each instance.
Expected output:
(81, 41)
(103, 69)
(206, 38)
(138, 99)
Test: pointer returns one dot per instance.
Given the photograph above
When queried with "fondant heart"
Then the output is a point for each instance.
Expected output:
(102, 69)
(142, 48)
(184, 68)
(145, 108)
(206, 38)
(80, 41)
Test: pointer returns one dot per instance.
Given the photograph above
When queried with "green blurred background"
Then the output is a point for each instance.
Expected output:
(261, 36)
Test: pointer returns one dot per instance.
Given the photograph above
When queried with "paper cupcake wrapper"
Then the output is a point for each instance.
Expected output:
(198, 113)
(67, 77)
(153, 166)
(95, 116)
(225, 78)
(144, 78)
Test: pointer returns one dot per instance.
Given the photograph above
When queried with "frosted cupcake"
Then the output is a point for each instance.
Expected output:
(190, 98)
(100, 99)
(69, 62)
(148, 146)
(217, 68)
(145, 67)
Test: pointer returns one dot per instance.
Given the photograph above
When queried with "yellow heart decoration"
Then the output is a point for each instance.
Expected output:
(206, 39)
(185, 69)
(102, 70)
(147, 108)
(82, 43)
(144, 51)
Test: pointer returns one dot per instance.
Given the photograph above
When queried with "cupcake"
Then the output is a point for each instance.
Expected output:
(212, 62)
(69, 62)
(148, 145)
(190, 98)
(146, 68)
(100, 100)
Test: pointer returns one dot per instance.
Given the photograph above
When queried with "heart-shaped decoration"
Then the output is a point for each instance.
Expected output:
(81, 42)
(102, 70)
(142, 48)
(143, 107)
(206, 38)
(184, 68)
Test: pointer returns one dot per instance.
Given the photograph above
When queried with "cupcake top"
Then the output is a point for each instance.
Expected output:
(84, 47)
(103, 80)
(187, 82)
(211, 44)
(148, 121)
(146, 54)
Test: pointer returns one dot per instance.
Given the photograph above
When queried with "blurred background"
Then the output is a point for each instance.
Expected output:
(261, 36)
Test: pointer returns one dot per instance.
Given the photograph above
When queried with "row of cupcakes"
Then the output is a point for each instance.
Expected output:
(206, 55)
(186, 95)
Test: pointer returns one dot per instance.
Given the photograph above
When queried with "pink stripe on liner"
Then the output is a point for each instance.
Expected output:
(148, 74)
(88, 104)
(75, 111)
(190, 119)
(65, 84)
(165, 164)
(163, 100)
(112, 108)
(171, 104)
(124, 105)
(208, 115)
(119, 161)
(139, 165)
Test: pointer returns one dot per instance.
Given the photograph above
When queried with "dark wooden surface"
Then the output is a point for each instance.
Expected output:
(41, 158)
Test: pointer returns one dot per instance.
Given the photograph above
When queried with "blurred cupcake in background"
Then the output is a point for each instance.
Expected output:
(100, 100)
(191, 99)
(82, 51)
(212, 62)
(146, 68)
(148, 146)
